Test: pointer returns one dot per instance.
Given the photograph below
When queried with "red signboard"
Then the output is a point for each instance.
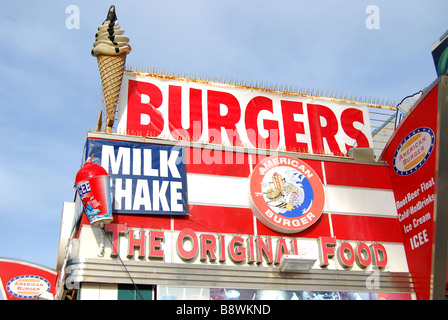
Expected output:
(21, 280)
(196, 111)
(411, 154)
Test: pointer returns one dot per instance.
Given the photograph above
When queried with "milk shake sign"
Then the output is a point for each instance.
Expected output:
(198, 111)
(145, 178)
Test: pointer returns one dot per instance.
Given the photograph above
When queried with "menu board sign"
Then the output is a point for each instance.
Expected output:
(412, 154)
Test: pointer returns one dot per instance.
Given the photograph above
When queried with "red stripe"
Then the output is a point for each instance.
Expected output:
(144, 221)
(240, 221)
(366, 228)
(357, 175)
(137, 221)
(217, 162)
(223, 163)
(216, 219)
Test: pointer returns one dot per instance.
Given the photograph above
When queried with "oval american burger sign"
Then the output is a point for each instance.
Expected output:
(413, 151)
(27, 286)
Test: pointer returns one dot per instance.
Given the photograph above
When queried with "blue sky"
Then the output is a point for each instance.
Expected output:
(50, 89)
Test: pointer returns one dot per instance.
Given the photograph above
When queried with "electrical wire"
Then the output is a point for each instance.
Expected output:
(103, 228)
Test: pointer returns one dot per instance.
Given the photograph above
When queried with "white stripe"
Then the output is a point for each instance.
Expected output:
(251, 165)
(330, 222)
(363, 201)
(234, 191)
(324, 176)
(255, 225)
(218, 190)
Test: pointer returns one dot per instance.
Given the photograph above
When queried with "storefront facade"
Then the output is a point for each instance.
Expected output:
(233, 210)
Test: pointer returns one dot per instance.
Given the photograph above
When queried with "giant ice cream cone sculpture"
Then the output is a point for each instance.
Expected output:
(110, 48)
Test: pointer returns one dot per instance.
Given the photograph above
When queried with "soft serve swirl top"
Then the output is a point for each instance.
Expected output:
(109, 40)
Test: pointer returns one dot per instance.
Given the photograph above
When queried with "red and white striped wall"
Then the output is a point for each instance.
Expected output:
(359, 204)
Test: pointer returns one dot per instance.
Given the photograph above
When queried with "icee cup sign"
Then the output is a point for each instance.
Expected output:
(93, 186)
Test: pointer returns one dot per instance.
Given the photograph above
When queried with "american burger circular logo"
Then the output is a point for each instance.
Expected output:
(286, 194)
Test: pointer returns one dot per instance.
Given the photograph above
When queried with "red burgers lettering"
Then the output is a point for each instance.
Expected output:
(242, 117)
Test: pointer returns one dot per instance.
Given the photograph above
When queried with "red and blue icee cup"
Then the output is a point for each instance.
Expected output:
(93, 185)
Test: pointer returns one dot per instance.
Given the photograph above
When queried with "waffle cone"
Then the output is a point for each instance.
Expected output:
(111, 72)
